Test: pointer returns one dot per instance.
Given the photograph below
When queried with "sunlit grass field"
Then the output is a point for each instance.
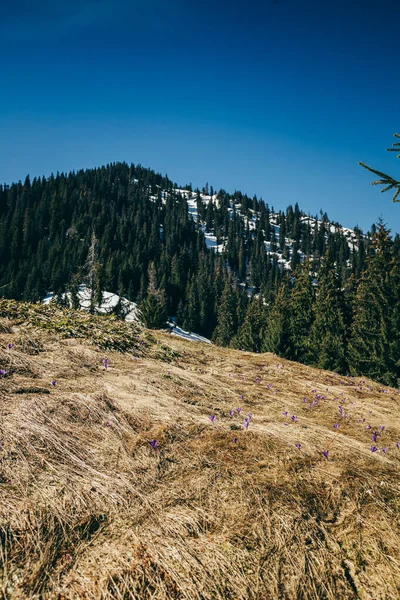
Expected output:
(136, 465)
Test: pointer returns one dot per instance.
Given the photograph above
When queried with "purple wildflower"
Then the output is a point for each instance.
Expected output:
(246, 423)
(235, 440)
(212, 418)
(238, 410)
(368, 427)
(373, 448)
(294, 418)
(336, 426)
(298, 446)
(9, 345)
(305, 400)
(397, 444)
(285, 414)
(384, 450)
(325, 453)
(153, 443)
(382, 427)
(231, 413)
(3, 372)
(374, 436)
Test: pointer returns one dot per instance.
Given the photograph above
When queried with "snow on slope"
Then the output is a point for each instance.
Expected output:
(129, 309)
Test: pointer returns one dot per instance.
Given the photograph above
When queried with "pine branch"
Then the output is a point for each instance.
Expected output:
(386, 180)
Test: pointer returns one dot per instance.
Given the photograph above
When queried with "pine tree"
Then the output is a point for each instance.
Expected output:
(152, 310)
(328, 330)
(227, 315)
(301, 314)
(249, 336)
(276, 332)
(374, 343)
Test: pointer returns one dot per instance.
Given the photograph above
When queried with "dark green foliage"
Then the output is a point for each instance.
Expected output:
(374, 346)
(249, 335)
(153, 309)
(327, 337)
(227, 315)
(276, 337)
(387, 180)
(301, 314)
(146, 248)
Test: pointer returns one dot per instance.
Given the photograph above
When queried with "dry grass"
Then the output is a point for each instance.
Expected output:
(88, 509)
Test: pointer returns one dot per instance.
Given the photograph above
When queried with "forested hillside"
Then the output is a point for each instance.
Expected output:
(227, 266)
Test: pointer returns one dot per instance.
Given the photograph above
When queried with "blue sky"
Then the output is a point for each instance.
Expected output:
(279, 98)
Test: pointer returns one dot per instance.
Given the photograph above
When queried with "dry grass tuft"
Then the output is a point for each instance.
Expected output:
(88, 509)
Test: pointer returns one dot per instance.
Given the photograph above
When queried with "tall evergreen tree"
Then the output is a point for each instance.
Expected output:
(276, 336)
(300, 314)
(227, 315)
(328, 330)
(374, 343)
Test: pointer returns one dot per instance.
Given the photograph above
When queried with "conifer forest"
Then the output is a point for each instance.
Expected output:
(226, 266)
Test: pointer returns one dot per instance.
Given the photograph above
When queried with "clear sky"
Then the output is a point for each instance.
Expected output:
(279, 98)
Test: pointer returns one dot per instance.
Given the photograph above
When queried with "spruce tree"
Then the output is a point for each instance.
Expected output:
(301, 314)
(152, 310)
(328, 329)
(374, 343)
(227, 315)
(275, 337)
(249, 336)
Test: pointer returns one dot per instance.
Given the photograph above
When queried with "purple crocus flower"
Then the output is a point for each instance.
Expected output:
(9, 345)
(373, 448)
(384, 450)
(382, 427)
(3, 372)
(298, 446)
(374, 436)
(305, 400)
(285, 414)
(397, 444)
(368, 427)
(238, 410)
(294, 418)
(235, 440)
(212, 418)
(54, 383)
(153, 443)
(246, 423)
(231, 413)
(325, 453)
(336, 426)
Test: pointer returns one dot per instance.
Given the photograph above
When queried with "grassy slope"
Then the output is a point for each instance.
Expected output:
(88, 509)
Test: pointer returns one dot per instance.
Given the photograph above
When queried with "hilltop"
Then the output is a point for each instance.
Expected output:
(286, 507)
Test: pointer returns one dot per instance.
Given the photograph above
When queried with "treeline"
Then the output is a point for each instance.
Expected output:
(353, 328)
(149, 248)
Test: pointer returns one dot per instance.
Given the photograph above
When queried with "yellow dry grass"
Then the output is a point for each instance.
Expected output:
(88, 509)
